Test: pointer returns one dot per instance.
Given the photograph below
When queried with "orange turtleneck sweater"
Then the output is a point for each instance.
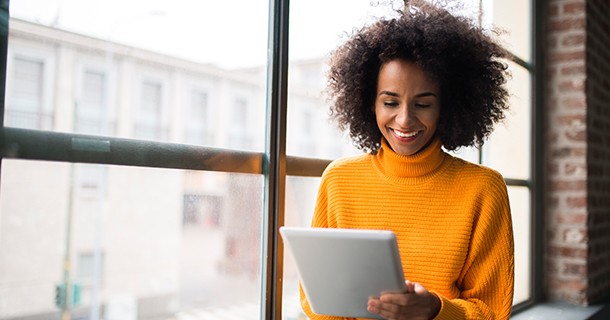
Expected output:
(451, 217)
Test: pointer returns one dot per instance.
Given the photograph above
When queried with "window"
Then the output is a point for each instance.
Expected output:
(160, 158)
(25, 107)
(148, 125)
(508, 150)
(199, 127)
(92, 114)
(239, 124)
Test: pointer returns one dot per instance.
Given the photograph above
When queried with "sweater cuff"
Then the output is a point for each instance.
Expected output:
(449, 310)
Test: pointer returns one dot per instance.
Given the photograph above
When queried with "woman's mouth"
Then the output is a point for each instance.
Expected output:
(407, 135)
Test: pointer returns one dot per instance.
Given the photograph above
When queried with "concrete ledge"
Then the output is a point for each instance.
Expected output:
(557, 311)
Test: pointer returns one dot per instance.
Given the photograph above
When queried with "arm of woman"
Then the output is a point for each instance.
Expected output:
(486, 282)
(487, 278)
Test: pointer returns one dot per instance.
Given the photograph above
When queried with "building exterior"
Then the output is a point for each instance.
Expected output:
(102, 217)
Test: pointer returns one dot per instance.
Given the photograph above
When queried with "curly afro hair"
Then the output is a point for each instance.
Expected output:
(452, 50)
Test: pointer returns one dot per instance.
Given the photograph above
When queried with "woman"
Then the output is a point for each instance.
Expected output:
(405, 88)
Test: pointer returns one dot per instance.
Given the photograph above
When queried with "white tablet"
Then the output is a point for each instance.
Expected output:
(340, 269)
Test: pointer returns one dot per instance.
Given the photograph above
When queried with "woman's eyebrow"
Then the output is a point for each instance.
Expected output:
(419, 95)
(426, 94)
(389, 93)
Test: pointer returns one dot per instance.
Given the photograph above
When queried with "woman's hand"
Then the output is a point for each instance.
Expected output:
(416, 303)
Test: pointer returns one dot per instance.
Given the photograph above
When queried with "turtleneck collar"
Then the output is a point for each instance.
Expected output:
(421, 164)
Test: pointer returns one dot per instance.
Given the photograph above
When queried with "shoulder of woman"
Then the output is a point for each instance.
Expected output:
(479, 171)
(348, 162)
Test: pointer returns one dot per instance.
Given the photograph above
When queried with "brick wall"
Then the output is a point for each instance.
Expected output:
(577, 128)
(598, 148)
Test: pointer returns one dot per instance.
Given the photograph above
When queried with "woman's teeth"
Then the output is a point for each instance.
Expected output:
(406, 134)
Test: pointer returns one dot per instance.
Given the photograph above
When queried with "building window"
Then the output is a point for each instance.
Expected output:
(239, 137)
(148, 123)
(92, 114)
(25, 109)
(307, 145)
(198, 128)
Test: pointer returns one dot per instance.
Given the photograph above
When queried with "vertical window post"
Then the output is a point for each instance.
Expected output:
(274, 164)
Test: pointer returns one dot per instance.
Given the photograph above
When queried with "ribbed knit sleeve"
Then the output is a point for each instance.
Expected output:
(451, 218)
(487, 278)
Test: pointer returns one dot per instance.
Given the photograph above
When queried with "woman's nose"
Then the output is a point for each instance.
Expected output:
(404, 116)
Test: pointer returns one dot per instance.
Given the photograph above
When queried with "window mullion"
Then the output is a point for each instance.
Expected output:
(274, 166)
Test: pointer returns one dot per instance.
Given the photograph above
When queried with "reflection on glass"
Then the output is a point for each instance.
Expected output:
(508, 148)
(147, 71)
(520, 210)
(134, 243)
(514, 19)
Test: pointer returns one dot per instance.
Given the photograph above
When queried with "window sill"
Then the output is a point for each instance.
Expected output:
(557, 311)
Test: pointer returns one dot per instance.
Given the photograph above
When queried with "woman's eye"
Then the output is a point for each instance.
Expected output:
(390, 103)
(421, 105)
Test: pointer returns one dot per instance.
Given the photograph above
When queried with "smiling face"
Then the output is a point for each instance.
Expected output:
(407, 106)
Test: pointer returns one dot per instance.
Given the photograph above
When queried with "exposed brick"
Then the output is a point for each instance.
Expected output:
(568, 252)
(572, 218)
(577, 202)
(566, 56)
(567, 24)
(575, 69)
(573, 40)
(576, 285)
(575, 235)
(564, 152)
(578, 102)
(572, 85)
(563, 185)
(577, 137)
(574, 121)
(577, 269)
(575, 169)
(561, 152)
(573, 8)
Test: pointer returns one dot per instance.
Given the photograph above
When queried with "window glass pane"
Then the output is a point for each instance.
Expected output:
(300, 202)
(151, 243)
(508, 147)
(141, 60)
(514, 19)
(467, 153)
(307, 103)
(309, 130)
(520, 210)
